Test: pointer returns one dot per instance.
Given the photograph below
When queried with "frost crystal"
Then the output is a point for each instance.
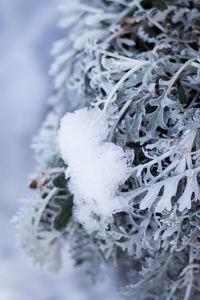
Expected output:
(96, 167)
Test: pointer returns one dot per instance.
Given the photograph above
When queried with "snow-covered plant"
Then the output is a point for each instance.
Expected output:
(119, 153)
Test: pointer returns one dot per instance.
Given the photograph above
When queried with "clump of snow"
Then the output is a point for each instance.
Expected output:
(96, 167)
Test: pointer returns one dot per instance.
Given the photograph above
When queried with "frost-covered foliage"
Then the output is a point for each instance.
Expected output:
(120, 185)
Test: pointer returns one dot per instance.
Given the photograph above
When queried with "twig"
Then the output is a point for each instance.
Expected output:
(42, 208)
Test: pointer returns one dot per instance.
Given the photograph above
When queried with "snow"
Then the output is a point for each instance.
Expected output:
(96, 166)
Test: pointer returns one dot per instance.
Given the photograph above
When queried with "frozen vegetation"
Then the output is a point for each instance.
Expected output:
(118, 159)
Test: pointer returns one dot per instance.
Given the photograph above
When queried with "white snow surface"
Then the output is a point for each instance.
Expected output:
(96, 166)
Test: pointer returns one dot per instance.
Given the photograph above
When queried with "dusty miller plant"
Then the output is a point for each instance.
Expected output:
(138, 61)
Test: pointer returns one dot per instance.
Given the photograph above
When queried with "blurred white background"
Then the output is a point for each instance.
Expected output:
(27, 31)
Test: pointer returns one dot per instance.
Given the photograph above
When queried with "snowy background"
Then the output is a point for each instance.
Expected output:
(27, 31)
